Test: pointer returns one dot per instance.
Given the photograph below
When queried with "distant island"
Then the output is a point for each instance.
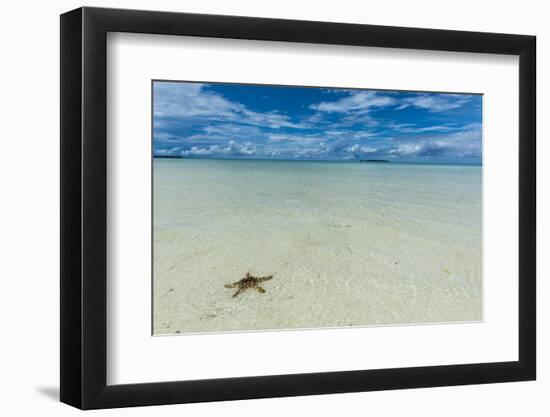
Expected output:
(374, 160)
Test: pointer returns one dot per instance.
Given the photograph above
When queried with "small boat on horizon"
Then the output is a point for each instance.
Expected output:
(374, 160)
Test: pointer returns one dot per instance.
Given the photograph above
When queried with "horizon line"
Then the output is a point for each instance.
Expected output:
(480, 163)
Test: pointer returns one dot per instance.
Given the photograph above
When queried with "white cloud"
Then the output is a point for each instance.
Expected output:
(166, 138)
(406, 149)
(363, 135)
(465, 143)
(360, 149)
(302, 139)
(168, 151)
(441, 128)
(192, 100)
(194, 120)
(356, 101)
(434, 102)
(189, 100)
(232, 148)
(231, 130)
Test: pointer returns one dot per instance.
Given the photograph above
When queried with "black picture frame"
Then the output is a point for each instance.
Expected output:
(84, 207)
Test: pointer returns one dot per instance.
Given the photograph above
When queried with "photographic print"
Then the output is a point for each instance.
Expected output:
(286, 207)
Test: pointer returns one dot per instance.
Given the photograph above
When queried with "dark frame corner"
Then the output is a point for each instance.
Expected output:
(83, 207)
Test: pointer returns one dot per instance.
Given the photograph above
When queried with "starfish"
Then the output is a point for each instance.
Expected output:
(248, 282)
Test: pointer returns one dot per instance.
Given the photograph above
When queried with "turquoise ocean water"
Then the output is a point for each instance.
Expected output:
(348, 244)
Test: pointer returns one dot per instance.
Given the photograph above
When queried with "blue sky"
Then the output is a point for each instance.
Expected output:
(205, 120)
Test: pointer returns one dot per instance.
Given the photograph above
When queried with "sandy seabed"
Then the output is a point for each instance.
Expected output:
(348, 244)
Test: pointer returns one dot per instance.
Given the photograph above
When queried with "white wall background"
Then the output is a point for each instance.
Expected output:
(29, 226)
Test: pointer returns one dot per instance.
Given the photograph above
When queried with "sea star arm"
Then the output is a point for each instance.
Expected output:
(262, 279)
(240, 290)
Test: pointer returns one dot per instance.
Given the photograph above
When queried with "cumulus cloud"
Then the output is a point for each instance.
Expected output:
(462, 144)
(207, 120)
(357, 149)
(168, 151)
(232, 148)
(406, 149)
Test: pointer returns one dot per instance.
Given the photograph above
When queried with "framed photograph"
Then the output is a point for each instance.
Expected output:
(257, 208)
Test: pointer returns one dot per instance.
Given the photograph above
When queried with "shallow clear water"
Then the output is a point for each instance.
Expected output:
(348, 244)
